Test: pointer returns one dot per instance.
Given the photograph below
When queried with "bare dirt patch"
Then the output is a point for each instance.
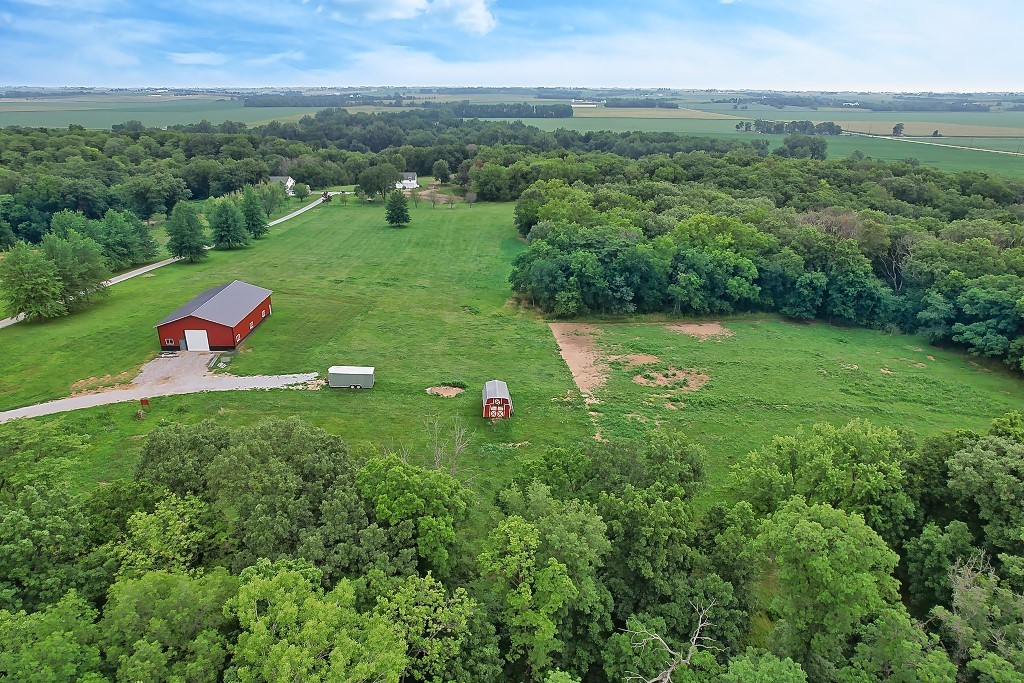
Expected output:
(849, 366)
(920, 365)
(445, 391)
(91, 385)
(932, 358)
(576, 344)
(635, 359)
(886, 371)
(685, 380)
(149, 275)
(701, 331)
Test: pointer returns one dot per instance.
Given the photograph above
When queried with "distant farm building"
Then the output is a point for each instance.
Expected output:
(216, 320)
(496, 401)
(409, 181)
(287, 181)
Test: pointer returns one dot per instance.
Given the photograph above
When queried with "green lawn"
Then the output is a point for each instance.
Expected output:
(429, 304)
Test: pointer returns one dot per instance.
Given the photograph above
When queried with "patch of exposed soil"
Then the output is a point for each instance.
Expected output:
(930, 357)
(576, 344)
(92, 385)
(886, 371)
(149, 275)
(445, 391)
(701, 331)
(671, 406)
(634, 359)
(849, 366)
(920, 365)
(685, 380)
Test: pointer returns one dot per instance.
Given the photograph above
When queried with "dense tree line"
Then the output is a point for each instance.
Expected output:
(148, 171)
(789, 127)
(615, 248)
(641, 102)
(274, 552)
(522, 110)
(898, 103)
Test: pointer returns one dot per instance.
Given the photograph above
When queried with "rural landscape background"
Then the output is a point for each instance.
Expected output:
(752, 270)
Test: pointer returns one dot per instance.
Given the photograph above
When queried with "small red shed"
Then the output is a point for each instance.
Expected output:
(496, 401)
(216, 320)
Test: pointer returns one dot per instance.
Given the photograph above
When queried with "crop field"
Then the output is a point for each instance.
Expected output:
(105, 111)
(430, 305)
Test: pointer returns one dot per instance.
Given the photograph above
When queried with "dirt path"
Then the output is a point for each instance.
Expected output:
(935, 144)
(166, 375)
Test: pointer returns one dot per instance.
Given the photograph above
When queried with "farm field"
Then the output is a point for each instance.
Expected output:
(429, 305)
(105, 111)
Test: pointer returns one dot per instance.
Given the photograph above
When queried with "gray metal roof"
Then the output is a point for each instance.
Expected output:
(496, 389)
(280, 178)
(408, 176)
(226, 305)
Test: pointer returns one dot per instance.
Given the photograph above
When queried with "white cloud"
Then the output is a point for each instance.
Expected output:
(198, 58)
(277, 57)
(472, 15)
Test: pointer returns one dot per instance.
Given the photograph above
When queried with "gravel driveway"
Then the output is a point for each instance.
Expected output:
(169, 374)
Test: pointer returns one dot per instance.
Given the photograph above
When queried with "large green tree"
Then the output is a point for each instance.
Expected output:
(829, 572)
(186, 234)
(530, 591)
(228, 225)
(166, 627)
(379, 180)
(293, 631)
(253, 211)
(31, 283)
(857, 467)
(58, 644)
(80, 265)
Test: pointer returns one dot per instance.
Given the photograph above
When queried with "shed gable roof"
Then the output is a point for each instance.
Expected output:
(227, 304)
(496, 389)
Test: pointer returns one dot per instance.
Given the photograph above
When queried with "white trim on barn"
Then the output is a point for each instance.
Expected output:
(409, 181)
(287, 181)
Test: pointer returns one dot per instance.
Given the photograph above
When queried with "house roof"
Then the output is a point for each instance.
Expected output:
(280, 178)
(408, 176)
(227, 304)
(496, 389)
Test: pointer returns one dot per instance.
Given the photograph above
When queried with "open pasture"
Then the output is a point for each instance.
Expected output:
(731, 386)
(429, 305)
(103, 111)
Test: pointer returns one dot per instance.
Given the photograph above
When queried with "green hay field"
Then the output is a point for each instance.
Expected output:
(430, 304)
(104, 111)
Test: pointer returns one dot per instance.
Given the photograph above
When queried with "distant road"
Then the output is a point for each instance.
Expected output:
(6, 322)
(934, 144)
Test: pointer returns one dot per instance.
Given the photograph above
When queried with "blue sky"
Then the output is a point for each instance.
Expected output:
(782, 44)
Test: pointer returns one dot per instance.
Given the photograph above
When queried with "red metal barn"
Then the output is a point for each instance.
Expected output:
(496, 401)
(216, 320)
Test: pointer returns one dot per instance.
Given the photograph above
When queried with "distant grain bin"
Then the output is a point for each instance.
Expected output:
(496, 401)
(350, 377)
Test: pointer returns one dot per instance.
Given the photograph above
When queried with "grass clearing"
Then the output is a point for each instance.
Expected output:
(770, 377)
(428, 305)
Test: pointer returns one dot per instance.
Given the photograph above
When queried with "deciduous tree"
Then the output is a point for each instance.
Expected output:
(31, 284)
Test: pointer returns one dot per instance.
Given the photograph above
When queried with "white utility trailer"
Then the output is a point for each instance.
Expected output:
(350, 377)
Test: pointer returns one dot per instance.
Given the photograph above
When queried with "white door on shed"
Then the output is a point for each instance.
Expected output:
(197, 340)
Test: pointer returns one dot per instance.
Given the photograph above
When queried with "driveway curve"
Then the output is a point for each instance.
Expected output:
(6, 322)
(167, 375)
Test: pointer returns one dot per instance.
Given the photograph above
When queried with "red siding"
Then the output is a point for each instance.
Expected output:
(497, 407)
(221, 336)
(255, 317)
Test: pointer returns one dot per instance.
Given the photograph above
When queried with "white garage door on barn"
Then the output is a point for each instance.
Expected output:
(197, 340)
